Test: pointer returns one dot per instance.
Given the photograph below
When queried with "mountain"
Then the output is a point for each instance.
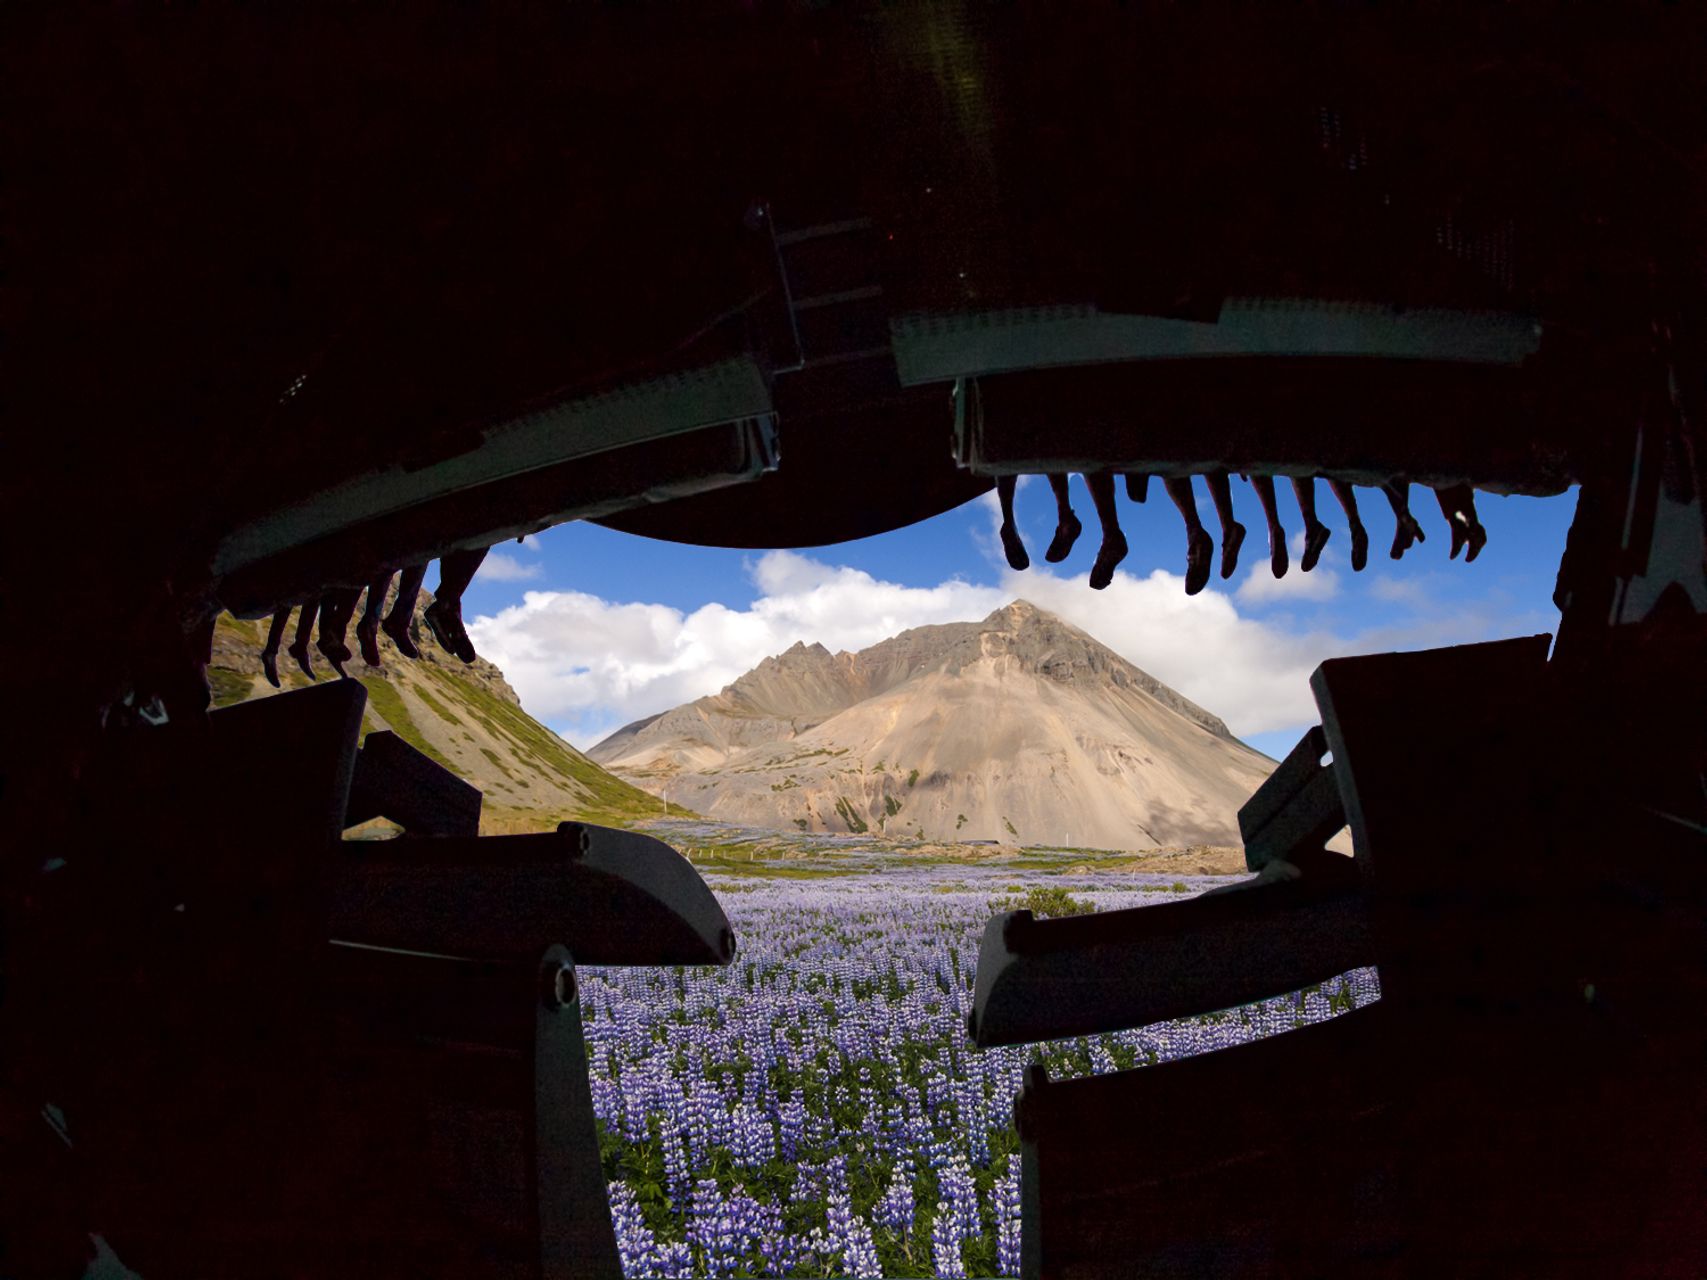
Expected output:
(1020, 728)
(465, 717)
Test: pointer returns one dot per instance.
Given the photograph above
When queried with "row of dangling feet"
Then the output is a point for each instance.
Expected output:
(1457, 504)
(335, 608)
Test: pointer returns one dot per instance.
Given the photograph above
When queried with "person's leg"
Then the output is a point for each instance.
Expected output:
(1316, 534)
(270, 651)
(367, 630)
(1113, 548)
(1406, 530)
(1359, 535)
(1458, 505)
(1067, 526)
(337, 607)
(304, 633)
(1277, 558)
(1138, 485)
(444, 615)
(396, 624)
(1199, 549)
(1232, 532)
(1012, 546)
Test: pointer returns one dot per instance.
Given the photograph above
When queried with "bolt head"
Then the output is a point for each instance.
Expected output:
(559, 986)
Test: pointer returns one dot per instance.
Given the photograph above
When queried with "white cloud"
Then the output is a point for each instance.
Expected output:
(587, 666)
(1261, 586)
(530, 542)
(498, 567)
(1253, 675)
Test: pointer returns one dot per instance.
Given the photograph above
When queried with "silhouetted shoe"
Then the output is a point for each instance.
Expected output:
(1014, 549)
(1478, 537)
(270, 667)
(1111, 553)
(367, 638)
(337, 655)
(447, 630)
(1277, 557)
(1066, 534)
(1138, 485)
(1231, 541)
(1200, 552)
(1459, 538)
(300, 653)
(1314, 540)
(1405, 532)
(400, 637)
(1359, 548)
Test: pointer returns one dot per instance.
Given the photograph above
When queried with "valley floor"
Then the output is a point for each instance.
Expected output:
(816, 1108)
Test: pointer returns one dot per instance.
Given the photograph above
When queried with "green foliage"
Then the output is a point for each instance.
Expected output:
(1043, 903)
(801, 823)
(960, 822)
(891, 806)
(1010, 826)
(228, 686)
(389, 704)
(607, 799)
(437, 707)
(912, 777)
(851, 816)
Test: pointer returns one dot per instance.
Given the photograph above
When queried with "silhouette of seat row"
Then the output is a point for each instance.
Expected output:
(1319, 1151)
(398, 1079)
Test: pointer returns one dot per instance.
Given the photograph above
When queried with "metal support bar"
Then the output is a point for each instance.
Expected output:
(576, 1238)
(621, 898)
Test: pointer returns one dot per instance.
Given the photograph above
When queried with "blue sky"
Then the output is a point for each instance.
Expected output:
(596, 628)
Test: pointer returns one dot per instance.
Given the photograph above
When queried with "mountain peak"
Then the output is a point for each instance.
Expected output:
(1017, 612)
(1019, 725)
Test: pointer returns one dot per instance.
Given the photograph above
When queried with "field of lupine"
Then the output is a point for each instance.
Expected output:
(816, 1109)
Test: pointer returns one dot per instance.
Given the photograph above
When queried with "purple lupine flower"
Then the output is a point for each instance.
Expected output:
(634, 1242)
(895, 1210)
(1008, 1220)
(945, 1248)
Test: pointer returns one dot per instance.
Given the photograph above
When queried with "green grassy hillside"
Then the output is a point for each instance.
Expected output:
(465, 717)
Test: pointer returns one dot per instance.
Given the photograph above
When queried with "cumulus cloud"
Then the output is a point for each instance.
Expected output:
(587, 666)
(1262, 587)
(498, 567)
(1252, 674)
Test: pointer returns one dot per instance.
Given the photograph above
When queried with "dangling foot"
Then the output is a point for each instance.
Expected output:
(447, 629)
(1277, 558)
(1478, 537)
(1315, 539)
(1405, 532)
(1111, 553)
(1459, 538)
(1200, 552)
(1014, 549)
(298, 649)
(367, 639)
(337, 655)
(270, 667)
(401, 638)
(1066, 534)
(1359, 548)
(1231, 541)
